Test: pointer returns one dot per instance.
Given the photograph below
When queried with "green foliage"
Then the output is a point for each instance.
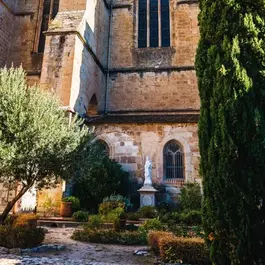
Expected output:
(29, 220)
(75, 202)
(191, 217)
(20, 236)
(174, 249)
(102, 178)
(148, 212)
(37, 144)
(191, 197)
(81, 216)
(152, 224)
(109, 236)
(154, 237)
(230, 69)
(118, 198)
(132, 216)
(107, 207)
(94, 221)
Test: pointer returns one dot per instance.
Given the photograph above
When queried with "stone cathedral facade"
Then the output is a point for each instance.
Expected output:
(126, 66)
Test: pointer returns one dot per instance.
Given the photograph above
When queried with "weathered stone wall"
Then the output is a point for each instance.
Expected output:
(184, 37)
(130, 144)
(18, 23)
(21, 51)
(6, 29)
(57, 66)
(167, 90)
(154, 78)
(76, 54)
(7, 193)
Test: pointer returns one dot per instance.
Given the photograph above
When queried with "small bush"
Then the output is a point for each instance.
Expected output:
(106, 207)
(191, 197)
(153, 224)
(109, 236)
(94, 221)
(148, 212)
(26, 220)
(155, 236)
(20, 237)
(191, 218)
(133, 216)
(10, 219)
(119, 198)
(75, 202)
(81, 216)
(183, 250)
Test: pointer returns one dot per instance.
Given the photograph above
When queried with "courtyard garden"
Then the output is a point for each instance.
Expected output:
(172, 232)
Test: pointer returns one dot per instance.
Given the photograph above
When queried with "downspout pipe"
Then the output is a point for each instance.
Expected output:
(108, 60)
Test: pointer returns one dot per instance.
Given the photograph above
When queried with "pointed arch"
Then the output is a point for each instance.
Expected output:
(173, 160)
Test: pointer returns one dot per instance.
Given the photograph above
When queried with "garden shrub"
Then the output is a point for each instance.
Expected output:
(153, 224)
(94, 221)
(107, 207)
(183, 250)
(75, 202)
(103, 178)
(191, 197)
(119, 199)
(26, 220)
(193, 217)
(109, 236)
(154, 236)
(133, 216)
(148, 212)
(81, 216)
(20, 236)
(10, 219)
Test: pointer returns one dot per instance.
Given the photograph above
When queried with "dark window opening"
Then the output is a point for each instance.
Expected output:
(50, 10)
(105, 147)
(142, 24)
(165, 23)
(156, 32)
(173, 161)
(154, 23)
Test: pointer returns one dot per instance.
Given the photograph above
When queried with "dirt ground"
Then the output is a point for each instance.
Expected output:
(88, 252)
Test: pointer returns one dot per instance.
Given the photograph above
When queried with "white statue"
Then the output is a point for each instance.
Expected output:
(148, 172)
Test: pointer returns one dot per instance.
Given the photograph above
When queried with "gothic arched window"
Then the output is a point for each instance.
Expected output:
(153, 23)
(173, 160)
(50, 10)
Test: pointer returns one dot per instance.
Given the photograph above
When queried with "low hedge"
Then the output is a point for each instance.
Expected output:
(155, 236)
(20, 236)
(81, 216)
(110, 236)
(174, 249)
(26, 220)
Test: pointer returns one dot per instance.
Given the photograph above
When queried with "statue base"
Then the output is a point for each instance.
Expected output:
(147, 195)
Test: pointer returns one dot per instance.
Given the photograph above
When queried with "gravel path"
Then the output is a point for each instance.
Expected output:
(77, 253)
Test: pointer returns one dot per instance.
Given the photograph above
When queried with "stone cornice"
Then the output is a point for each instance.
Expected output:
(143, 119)
(152, 69)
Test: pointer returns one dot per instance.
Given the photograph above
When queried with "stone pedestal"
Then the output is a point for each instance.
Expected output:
(147, 195)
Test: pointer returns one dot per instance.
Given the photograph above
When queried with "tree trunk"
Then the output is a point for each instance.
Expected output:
(11, 204)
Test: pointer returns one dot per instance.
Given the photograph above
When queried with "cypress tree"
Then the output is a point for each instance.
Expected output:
(230, 65)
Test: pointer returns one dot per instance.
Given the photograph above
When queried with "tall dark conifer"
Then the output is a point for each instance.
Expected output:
(230, 66)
